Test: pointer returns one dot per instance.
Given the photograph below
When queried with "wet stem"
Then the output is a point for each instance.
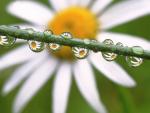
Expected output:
(51, 38)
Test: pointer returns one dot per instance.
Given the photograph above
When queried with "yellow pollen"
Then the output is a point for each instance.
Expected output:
(33, 44)
(54, 46)
(82, 53)
(80, 22)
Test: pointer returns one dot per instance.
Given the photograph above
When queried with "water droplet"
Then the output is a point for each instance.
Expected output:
(30, 30)
(87, 41)
(134, 61)
(36, 46)
(7, 41)
(94, 41)
(66, 35)
(119, 44)
(48, 32)
(54, 46)
(138, 50)
(80, 53)
(15, 27)
(107, 55)
(108, 42)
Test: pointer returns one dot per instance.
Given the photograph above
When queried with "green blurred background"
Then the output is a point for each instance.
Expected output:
(117, 99)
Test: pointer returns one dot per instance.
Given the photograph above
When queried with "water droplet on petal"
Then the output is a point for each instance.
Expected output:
(107, 55)
(54, 46)
(138, 50)
(36, 46)
(7, 41)
(134, 61)
(66, 35)
(80, 53)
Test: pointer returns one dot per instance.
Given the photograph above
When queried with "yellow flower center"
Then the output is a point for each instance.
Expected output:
(80, 22)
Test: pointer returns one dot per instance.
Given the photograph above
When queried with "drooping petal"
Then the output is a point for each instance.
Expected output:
(30, 11)
(59, 4)
(21, 73)
(34, 83)
(112, 71)
(100, 5)
(87, 85)
(16, 56)
(123, 12)
(61, 88)
(127, 40)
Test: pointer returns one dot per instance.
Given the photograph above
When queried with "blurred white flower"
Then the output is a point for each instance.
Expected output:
(83, 18)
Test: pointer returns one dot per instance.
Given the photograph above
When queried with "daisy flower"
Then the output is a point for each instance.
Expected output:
(84, 19)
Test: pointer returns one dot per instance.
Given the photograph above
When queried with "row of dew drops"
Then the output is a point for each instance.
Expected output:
(79, 53)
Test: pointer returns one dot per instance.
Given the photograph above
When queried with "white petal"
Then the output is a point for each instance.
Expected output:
(20, 41)
(34, 83)
(73, 2)
(127, 40)
(87, 85)
(84, 3)
(59, 4)
(21, 73)
(61, 88)
(112, 70)
(16, 56)
(100, 5)
(123, 12)
(31, 11)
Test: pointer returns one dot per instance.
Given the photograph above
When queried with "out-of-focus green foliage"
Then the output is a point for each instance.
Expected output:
(138, 97)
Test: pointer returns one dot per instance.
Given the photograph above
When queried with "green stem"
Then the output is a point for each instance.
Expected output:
(125, 99)
(92, 45)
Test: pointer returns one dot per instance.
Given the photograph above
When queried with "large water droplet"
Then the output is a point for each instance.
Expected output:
(7, 41)
(134, 61)
(107, 55)
(36, 46)
(80, 53)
